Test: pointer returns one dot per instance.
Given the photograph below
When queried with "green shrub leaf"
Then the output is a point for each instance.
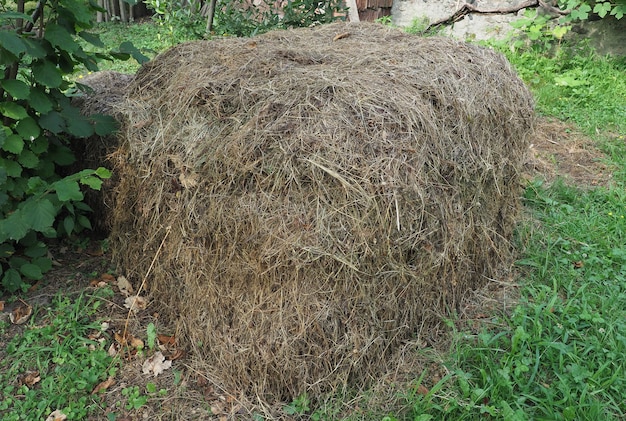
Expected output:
(28, 128)
(13, 227)
(12, 42)
(28, 159)
(60, 38)
(47, 74)
(68, 190)
(68, 225)
(16, 88)
(12, 281)
(12, 168)
(13, 144)
(38, 99)
(39, 214)
(13, 110)
(53, 122)
(31, 271)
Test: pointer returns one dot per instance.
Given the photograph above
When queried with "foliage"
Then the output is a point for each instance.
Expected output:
(56, 346)
(575, 84)
(241, 18)
(542, 29)
(36, 52)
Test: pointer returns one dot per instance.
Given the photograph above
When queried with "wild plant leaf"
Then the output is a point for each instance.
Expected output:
(62, 155)
(35, 48)
(15, 15)
(12, 168)
(31, 271)
(16, 88)
(12, 42)
(59, 37)
(93, 182)
(28, 128)
(44, 263)
(68, 190)
(53, 122)
(39, 214)
(79, 126)
(68, 224)
(93, 39)
(104, 125)
(39, 100)
(47, 74)
(28, 159)
(12, 281)
(103, 172)
(128, 48)
(13, 227)
(13, 110)
(13, 144)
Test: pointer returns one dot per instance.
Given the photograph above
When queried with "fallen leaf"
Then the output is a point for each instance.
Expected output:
(579, 264)
(156, 364)
(120, 338)
(179, 353)
(1, 305)
(136, 342)
(30, 378)
(103, 386)
(341, 36)
(114, 349)
(422, 390)
(125, 287)
(21, 314)
(56, 416)
(107, 277)
(166, 340)
(135, 303)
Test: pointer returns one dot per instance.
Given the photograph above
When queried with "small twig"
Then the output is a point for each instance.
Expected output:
(145, 278)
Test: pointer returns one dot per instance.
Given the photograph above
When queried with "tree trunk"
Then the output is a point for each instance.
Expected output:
(211, 15)
(123, 14)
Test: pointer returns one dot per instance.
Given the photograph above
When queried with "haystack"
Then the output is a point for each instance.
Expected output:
(311, 199)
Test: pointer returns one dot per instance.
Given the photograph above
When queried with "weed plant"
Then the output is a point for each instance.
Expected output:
(56, 345)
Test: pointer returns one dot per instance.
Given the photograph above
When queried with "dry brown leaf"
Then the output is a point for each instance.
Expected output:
(177, 354)
(125, 287)
(422, 390)
(1, 305)
(21, 314)
(107, 277)
(188, 180)
(166, 340)
(103, 386)
(30, 378)
(156, 364)
(120, 338)
(341, 36)
(136, 342)
(56, 416)
(135, 303)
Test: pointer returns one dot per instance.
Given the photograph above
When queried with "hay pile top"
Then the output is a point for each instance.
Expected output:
(325, 193)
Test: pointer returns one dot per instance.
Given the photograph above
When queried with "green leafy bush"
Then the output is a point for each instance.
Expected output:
(37, 199)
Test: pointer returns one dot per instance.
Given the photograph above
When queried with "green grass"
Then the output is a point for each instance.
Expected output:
(55, 344)
(578, 86)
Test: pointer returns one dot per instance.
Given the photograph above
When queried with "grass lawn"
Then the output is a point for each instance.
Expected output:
(557, 351)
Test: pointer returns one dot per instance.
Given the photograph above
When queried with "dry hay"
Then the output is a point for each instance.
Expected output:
(103, 93)
(312, 199)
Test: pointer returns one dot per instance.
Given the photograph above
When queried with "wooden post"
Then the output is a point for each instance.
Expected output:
(353, 11)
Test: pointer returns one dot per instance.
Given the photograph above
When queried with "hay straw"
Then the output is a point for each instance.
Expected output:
(328, 199)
